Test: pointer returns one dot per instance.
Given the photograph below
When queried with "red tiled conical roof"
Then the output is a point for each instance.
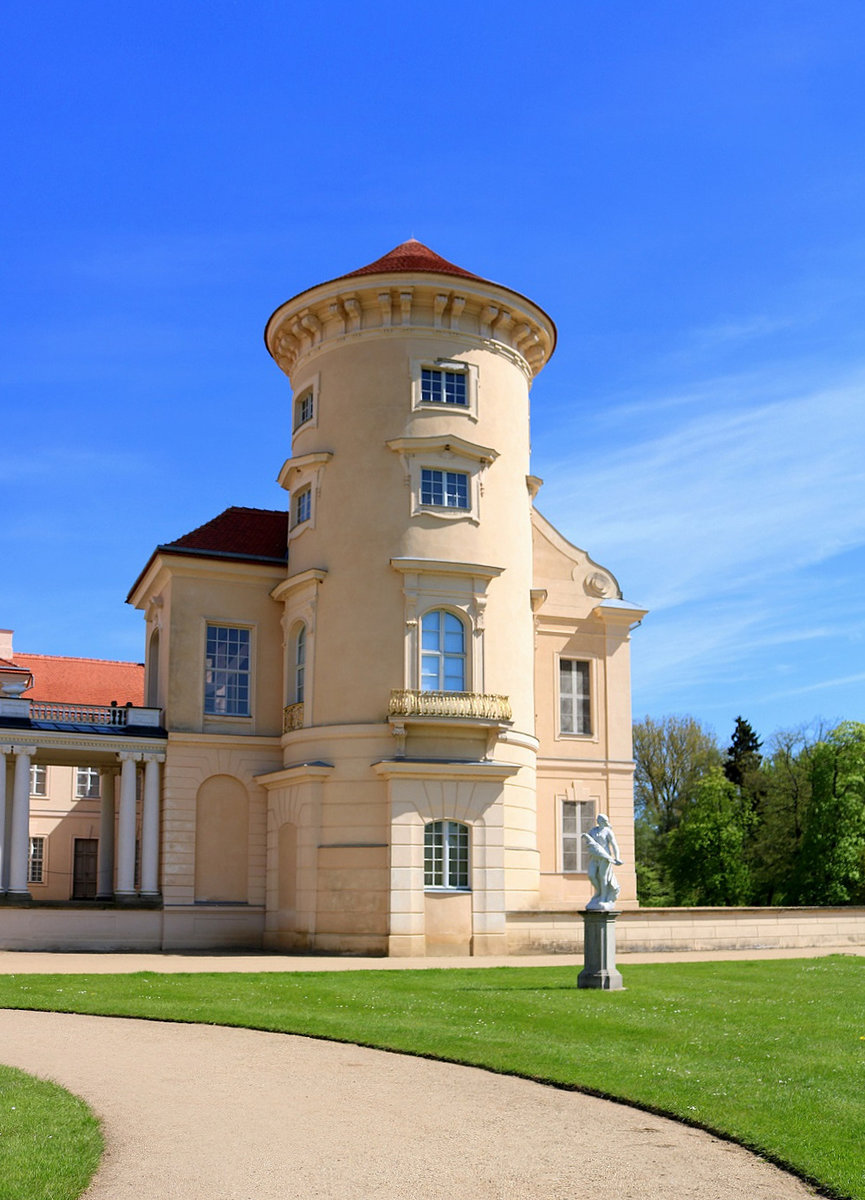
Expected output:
(410, 257)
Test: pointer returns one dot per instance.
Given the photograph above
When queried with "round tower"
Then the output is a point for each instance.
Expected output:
(409, 638)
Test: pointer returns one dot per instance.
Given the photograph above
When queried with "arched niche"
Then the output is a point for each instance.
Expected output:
(222, 841)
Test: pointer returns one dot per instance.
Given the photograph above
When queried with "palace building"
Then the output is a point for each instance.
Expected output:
(375, 721)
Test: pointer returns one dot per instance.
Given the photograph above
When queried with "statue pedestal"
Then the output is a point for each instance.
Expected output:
(599, 956)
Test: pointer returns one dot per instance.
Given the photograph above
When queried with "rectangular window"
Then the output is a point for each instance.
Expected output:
(446, 855)
(578, 817)
(444, 489)
(36, 861)
(443, 387)
(87, 783)
(38, 781)
(302, 506)
(227, 672)
(303, 409)
(575, 713)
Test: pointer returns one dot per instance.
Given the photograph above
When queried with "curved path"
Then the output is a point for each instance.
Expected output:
(208, 1113)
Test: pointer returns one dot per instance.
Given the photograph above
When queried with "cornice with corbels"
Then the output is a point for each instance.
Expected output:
(500, 320)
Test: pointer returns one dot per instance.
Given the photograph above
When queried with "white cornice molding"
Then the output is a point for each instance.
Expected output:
(304, 463)
(443, 443)
(299, 773)
(314, 575)
(403, 768)
(441, 566)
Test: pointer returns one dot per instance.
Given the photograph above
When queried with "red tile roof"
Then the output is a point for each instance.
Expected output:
(7, 665)
(243, 534)
(240, 532)
(409, 258)
(83, 680)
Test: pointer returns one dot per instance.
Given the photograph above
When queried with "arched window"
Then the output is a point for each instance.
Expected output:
(446, 855)
(443, 652)
(299, 664)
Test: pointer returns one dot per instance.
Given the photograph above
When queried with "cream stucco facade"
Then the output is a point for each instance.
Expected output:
(376, 722)
(399, 779)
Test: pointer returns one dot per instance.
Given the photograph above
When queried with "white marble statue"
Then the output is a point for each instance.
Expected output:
(603, 851)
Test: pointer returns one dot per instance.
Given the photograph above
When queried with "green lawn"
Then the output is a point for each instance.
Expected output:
(50, 1142)
(769, 1053)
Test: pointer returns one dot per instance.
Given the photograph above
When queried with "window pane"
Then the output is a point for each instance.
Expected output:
(227, 671)
(574, 698)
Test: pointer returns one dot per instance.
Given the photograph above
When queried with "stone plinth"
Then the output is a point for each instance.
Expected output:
(599, 970)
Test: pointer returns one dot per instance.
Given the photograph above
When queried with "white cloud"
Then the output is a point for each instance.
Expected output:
(727, 501)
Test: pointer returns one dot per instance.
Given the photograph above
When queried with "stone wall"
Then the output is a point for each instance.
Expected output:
(658, 930)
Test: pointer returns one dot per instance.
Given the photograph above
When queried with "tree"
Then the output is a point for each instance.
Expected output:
(742, 757)
(706, 851)
(671, 755)
(831, 862)
(783, 800)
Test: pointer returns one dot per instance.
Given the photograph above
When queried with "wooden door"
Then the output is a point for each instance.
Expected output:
(84, 869)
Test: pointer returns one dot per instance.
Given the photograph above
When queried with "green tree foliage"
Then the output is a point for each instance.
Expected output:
(783, 800)
(830, 867)
(742, 759)
(784, 827)
(705, 853)
(671, 756)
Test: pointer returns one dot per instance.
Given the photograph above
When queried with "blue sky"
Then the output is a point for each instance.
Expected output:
(681, 186)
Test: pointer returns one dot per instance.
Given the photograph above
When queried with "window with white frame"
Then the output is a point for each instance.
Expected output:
(227, 672)
(575, 708)
(445, 383)
(86, 783)
(577, 817)
(38, 781)
(299, 664)
(302, 507)
(444, 489)
(446, 856)
(304, 408)
(443, 387)
(36, 861)
(443, 652)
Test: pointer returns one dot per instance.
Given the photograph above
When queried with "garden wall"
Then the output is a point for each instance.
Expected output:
(659, 930)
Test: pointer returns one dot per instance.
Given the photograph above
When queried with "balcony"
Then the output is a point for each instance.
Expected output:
(292, 717)
(476, 706)
(98, 716)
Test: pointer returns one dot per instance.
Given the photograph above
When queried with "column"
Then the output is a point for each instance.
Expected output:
(150, 828)
(105, 864)
(4, 857)
(19, 842)
(126, 827)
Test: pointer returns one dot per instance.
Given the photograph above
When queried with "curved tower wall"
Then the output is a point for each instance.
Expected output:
(365, 564)
(359, 344)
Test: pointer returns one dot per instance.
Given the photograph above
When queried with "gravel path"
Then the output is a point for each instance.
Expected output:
(206, 1113)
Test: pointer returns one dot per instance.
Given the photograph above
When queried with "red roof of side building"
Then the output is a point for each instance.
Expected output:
(244, 532)
(83, 680)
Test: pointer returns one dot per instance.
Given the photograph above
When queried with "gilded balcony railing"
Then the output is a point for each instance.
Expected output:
(409, 703)
(292, 717)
